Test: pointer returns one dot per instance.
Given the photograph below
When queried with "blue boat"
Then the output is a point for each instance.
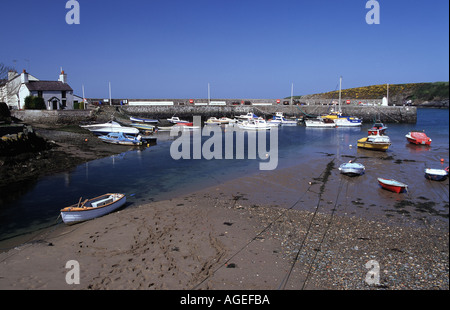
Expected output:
(121, 138)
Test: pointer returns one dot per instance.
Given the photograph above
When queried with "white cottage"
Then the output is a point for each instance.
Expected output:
(57, 95)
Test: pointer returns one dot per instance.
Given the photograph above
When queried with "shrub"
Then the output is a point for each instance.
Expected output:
(34, 103)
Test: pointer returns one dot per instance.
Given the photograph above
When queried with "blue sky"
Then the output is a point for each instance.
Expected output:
(243, 48)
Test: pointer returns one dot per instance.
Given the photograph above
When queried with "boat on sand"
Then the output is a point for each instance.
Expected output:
(92, 208)
(352, 169)
(393, 185)
(436, 174)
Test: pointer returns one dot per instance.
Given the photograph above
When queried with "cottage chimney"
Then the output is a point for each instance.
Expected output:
(11, 74)
(24, 76)
(63, 77)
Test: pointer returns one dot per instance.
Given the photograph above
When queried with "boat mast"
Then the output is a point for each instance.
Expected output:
(84, 100)
(209, 96)
(110, 101)
(340, 87)
(292, 92)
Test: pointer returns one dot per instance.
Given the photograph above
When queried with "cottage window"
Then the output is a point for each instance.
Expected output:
(63, 94)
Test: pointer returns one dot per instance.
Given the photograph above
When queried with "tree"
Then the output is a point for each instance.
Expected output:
(4, 69)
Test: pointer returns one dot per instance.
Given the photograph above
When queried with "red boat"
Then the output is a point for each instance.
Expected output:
(393, 185)
(418, 137)
(185, 124)
(377, 129)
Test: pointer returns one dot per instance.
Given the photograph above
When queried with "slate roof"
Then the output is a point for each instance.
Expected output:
(48, 85)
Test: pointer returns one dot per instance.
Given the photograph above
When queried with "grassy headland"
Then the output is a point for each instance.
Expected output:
(418, 92)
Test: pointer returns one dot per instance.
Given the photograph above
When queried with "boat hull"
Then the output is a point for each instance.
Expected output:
(392, 185)
(345, 122)
(143, 120)
(352, 169)
(436, 174)
(119, 138)
(319, 124)
(418, 138)
(74, 214)
(375, 146)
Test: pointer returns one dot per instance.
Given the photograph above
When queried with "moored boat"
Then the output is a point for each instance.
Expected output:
(348, 122)
(247, 116)
(436, 174)
(121, 138)
(143, 126)
(108, 127)
(176, 120)
(393, 185)
(418, 137)
(377, 128)
(376, 139)
(92, 208)
(143, 120)
(352, 169)
(255, 124)
(279, 118)
(320, 123)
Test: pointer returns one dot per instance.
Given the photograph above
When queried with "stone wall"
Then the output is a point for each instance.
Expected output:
(54, 116)
(387, 114)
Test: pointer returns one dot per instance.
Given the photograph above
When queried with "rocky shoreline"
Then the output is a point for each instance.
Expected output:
(61, 147)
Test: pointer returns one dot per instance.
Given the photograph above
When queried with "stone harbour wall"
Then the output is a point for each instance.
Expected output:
(387, 114)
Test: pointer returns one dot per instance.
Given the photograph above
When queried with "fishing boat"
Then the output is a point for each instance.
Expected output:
(377, 128)
(121, 138)
(143, 120)
(320, 123)
(255, 124)
(376, 139)
(176, 120)
(436, 174)
(92, 208)
(352, 169)
(418, 137)
(393, 185)
(109, 127)
(247, 116)
(279, 118)
(348, 121)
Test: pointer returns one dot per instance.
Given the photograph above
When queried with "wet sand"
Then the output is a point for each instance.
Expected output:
(302, 227)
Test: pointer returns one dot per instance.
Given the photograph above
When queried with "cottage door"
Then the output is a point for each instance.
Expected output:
(55, 104)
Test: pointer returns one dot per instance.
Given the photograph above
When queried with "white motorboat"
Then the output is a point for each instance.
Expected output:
(247, 116)
(176, 120)
(320, 123)
(436, 174)
(109, 127)
(92, 208)
(279, 118)
(255, 124)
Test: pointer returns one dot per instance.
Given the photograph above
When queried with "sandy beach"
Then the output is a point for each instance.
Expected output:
(301, 227)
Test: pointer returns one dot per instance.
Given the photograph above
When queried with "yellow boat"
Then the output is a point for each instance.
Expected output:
(375, 142)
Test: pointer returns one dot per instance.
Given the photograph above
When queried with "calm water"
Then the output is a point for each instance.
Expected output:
(151, 174)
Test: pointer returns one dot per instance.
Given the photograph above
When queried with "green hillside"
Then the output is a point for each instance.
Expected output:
(413, 91)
